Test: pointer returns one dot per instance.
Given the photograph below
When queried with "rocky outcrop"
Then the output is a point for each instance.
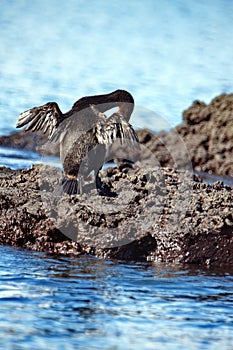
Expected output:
(156, 214)
(29, 140)
(206, 132)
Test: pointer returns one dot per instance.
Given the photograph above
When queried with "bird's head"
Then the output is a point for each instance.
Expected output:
(122, 99)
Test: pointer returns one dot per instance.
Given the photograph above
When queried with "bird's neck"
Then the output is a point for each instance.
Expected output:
(118, 98)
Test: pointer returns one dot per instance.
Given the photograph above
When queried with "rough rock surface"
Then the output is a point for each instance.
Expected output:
(154, 214)
(206, 132)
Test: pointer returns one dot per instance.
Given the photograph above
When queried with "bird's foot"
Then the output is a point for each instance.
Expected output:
(103, 189)
(106, 191)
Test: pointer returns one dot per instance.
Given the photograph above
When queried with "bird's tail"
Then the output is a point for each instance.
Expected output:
(70, 186)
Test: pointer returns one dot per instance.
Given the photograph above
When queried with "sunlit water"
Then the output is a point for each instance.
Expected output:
(64, 303)
(166, 53)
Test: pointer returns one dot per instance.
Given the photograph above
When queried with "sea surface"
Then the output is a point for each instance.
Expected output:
(48, 302)
(167, 54)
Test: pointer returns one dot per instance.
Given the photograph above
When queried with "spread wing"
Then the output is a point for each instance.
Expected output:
(116, 127)
(45, 118)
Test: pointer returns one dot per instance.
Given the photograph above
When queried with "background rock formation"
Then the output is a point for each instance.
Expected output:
(206, 131)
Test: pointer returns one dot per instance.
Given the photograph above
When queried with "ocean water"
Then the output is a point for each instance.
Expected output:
(63, 303)
(167, 54)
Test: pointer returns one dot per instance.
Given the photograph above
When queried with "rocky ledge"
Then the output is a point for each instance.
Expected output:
(157, 214)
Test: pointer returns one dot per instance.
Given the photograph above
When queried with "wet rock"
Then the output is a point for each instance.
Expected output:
(158, 214)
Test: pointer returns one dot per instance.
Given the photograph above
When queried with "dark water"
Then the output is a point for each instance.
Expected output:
(48, 302)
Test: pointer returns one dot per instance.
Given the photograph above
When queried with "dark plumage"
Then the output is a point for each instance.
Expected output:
(83, 132)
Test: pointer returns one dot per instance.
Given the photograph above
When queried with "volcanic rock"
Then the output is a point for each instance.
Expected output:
(156, 214)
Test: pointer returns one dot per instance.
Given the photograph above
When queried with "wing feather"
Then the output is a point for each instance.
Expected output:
(45, 118)
(114, 128)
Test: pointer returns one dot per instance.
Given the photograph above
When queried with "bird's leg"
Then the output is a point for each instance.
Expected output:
(98, 181)
(103, 190)
(80, 185)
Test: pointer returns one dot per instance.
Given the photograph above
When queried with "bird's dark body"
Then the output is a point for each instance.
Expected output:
(83, 132)
(85, 154)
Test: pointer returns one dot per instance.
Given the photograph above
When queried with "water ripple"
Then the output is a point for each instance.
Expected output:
(94, 304)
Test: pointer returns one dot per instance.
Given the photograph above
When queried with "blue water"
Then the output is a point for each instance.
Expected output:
(86, 303)
(166, 53)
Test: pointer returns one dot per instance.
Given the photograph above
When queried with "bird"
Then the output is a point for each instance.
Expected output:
(84, 133)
